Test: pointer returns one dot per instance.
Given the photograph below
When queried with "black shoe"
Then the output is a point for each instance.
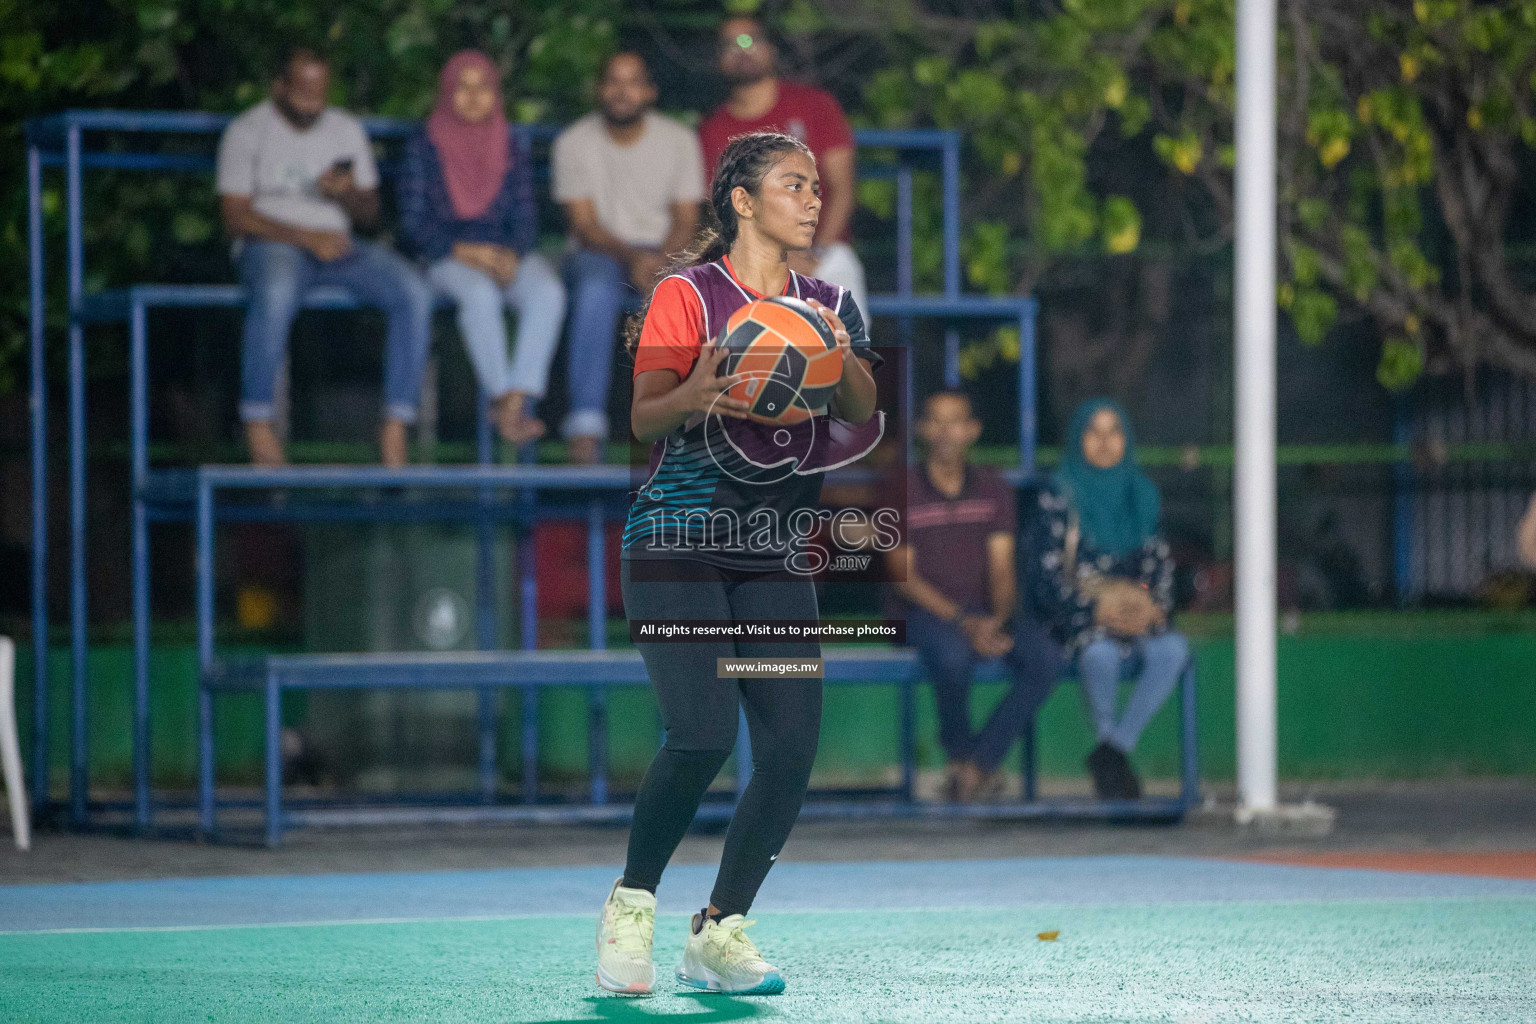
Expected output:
(1128, 786)
(301, 762)
(1101, 766)
(1113, 776)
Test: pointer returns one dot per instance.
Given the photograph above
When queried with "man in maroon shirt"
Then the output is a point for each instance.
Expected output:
(761, 101)
(955, 565)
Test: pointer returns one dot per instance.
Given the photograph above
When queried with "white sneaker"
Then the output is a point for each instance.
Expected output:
(720, 958)
(624, 962)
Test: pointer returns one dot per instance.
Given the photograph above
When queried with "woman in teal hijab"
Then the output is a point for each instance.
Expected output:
(1117, 506)
(1104, 582)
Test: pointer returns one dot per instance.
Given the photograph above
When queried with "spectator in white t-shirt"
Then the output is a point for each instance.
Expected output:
(294, 177)
(630, 182)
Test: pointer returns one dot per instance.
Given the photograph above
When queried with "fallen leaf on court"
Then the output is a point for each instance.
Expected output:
(1048, 936)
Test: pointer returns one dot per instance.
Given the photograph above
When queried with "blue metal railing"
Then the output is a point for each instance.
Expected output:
(59, 140)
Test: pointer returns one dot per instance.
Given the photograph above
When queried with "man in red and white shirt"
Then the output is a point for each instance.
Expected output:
(761, 101)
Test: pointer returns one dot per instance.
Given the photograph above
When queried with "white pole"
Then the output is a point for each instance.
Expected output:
(1254, 366)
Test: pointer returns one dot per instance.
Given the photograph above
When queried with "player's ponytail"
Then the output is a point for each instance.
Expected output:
(746, 160)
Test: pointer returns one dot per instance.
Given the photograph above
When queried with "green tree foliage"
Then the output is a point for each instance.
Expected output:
(1403, 131)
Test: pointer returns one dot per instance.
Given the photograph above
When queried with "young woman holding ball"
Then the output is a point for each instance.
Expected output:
(713, 465)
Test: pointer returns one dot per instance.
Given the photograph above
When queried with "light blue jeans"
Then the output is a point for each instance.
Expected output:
(538, 298)
(1155, 662)
(278, 275)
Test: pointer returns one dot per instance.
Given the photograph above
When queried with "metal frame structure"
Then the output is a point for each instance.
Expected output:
(595, 670)
(598, 671)
(60, 141)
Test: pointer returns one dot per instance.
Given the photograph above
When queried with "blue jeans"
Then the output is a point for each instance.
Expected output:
(538, 298)
(1156, 662)
(277, 276)
(1035, 663)
(599, 287)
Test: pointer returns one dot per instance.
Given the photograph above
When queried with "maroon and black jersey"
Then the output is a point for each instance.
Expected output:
(726, 490)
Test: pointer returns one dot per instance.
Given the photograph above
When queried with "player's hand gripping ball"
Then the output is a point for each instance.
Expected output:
(790, 356)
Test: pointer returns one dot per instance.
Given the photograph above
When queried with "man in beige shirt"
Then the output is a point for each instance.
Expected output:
(630, 182)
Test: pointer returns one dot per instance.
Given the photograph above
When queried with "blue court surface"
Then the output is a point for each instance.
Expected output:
(1140, 939)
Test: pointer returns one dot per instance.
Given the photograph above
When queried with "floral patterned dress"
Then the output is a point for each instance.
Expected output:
(1060, 580)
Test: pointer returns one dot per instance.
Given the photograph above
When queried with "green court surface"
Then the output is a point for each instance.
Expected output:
(1360, 960)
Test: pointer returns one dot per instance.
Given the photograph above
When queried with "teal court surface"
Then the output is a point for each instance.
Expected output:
(1141, 938)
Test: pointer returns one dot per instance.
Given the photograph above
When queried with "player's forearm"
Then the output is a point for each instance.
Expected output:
(656, 416)
(854, 399)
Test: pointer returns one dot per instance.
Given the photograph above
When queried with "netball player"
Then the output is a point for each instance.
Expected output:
(709, 459)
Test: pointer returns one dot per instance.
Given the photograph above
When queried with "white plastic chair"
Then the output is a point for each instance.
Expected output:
(10, 747)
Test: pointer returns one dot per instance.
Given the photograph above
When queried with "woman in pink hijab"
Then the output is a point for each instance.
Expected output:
(467, 208)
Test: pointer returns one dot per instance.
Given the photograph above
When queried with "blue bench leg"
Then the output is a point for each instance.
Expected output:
(597, 743)
(205, 759)
(908, 746)
(142, 809)
(274, 760)
(1189, 787)
(141, 755)
(530, 745)
(486, 713)
(1031, 767)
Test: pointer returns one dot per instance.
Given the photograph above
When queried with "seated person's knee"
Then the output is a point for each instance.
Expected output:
(478, 295)
(596, 270)
(551, 291)
(1101, 653)
(1172, 646)
(275, 293)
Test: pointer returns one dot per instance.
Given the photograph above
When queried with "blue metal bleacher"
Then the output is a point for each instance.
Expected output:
(596, 670)
(599, 671)
(501, 494)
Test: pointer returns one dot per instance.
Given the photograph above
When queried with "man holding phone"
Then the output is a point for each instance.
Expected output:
(294, 177)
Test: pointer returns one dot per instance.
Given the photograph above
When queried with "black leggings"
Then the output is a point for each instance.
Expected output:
(699, 711)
